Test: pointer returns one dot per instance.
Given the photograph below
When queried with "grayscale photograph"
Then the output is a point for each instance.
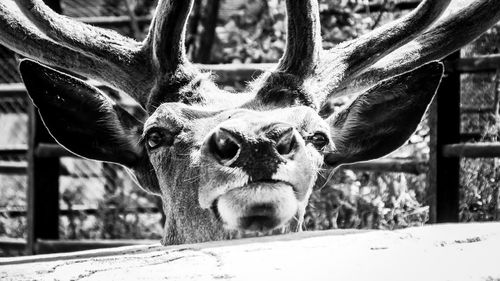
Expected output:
(346, 140)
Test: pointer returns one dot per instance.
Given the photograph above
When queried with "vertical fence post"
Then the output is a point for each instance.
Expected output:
(43, 179)
(432, 174)
(43, 186)
(445, 129)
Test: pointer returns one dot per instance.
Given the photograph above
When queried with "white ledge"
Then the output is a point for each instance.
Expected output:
(438, 252)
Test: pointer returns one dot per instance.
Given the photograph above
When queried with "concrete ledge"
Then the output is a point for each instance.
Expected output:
(438, 252)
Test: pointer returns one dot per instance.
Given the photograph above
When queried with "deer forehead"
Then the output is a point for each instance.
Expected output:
(178, 117)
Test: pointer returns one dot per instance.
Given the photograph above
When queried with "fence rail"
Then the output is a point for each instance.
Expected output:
(64, 246)
(472, 150)
(22, 211)
(487, 63)
(119, 21)
(13, 150)
(225, 73)
(13, 168)
(408, 166)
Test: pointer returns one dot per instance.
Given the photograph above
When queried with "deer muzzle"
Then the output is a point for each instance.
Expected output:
(264, 173)
(257, 207)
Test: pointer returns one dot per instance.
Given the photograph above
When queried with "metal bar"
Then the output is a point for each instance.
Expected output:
(226, 73)
(13, 168)
(21, 168)
(472, 137)
(14, 90)
(64, 246)
(13, 150)
(391, 165)
(50, 150)
(21, 212)
(12, 246)
(113, 21)
(486, 63)
(43, 186)
(477, 110)
(445, 171)
(377, 7)
(472, 150)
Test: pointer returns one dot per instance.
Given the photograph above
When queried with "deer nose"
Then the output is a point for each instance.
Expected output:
(228, 145)
(285, 140)
(225, 145)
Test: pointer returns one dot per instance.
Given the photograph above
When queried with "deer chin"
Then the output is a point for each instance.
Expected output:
(258, 207)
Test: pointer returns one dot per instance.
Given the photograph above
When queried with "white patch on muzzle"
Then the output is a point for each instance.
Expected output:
(238, 204)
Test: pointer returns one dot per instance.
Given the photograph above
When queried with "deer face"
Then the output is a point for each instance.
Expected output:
(248, 166)
(266, 166)
(220, 161)
(253, 170)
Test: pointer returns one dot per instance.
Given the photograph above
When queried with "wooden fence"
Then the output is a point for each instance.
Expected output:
(43, 167)
(447, 143)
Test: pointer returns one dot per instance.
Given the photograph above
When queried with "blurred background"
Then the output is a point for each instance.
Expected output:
(99, 201)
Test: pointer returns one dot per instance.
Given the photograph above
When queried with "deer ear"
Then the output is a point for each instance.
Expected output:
(381, 120)
(81, 118)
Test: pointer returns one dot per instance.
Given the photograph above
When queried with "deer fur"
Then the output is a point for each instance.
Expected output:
(225, 164)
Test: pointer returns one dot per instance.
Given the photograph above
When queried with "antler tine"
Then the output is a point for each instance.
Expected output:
(344, 62)
(111, 58)
(303, 44)
(19, 34)
(364, 51)
(167, 33)
(447, 36)
(323, 71)
(96, 53)
(92, 41)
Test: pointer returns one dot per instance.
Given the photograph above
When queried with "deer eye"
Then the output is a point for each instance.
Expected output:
(319, 140)
(155, 139)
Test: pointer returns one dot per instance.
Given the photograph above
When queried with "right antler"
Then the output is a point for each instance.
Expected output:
(344, 62)
(455, 30)
(97, 53)
(323, 71)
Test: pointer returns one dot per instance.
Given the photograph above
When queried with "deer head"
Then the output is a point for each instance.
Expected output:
(221, 161)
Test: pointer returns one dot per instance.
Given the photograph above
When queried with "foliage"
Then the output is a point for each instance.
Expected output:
(121, 7)
(367, 200)
(480, 192)
(116, 214)
(480, 178)
(256, 33)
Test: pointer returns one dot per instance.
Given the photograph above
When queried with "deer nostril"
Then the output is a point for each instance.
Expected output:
(224, 145)
(286, 143)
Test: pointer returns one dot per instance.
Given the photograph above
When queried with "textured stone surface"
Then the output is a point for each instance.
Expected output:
(439, 252)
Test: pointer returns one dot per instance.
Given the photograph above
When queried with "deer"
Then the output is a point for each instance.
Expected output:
(234, 163)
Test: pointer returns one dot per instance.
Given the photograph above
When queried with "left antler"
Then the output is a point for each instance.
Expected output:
(166, 35)
(303, 45)
(55, 40)
(136, 68)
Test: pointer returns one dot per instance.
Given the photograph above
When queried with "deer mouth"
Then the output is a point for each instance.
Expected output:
(257, 207)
